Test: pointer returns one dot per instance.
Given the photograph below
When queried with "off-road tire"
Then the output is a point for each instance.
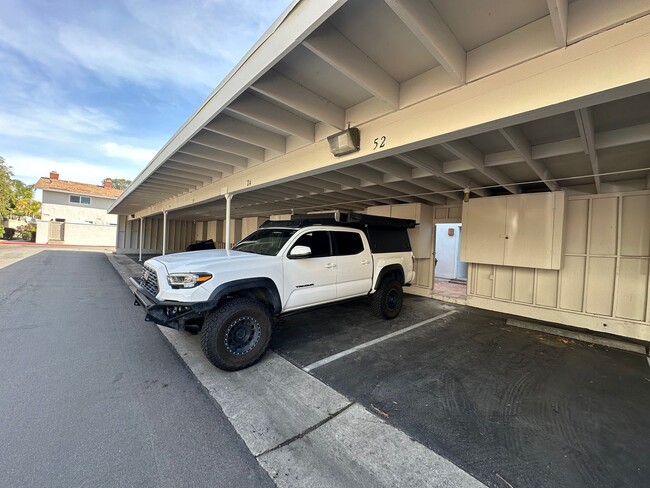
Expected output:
(236, 334)
(387, 300)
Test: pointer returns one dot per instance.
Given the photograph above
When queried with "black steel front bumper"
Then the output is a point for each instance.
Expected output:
(169, 314)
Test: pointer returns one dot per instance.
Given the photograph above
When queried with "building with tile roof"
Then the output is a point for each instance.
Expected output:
(76, 213)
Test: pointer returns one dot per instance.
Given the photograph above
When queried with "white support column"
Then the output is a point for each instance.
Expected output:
(164, 236)
(227, 222)
(141, 239)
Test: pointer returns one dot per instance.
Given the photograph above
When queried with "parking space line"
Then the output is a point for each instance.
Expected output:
(354, 349)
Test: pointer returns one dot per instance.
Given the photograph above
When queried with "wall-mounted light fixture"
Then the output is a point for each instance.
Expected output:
(345, 142)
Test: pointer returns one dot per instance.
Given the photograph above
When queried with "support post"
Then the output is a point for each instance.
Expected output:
(228, 199)
(164, 247)
(141, 239)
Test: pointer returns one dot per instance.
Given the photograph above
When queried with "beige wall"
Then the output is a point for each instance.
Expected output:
(90, 235)
(603, 283)
(56, 205)
(180, 234)
(79, 234)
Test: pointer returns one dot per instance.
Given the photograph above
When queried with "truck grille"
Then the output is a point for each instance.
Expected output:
(149, 280)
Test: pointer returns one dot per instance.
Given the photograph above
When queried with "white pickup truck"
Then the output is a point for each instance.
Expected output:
(285, 266)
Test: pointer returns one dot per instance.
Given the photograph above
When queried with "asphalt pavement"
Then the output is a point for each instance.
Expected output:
(91, 395)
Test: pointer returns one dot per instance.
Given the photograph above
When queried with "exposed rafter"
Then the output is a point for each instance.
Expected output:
(517, 139)
(336, 50)
(196, 170)
(367, 176)
(259, 111)
(180, 187)
(432, 167)
(468, 153)
(211, 154)
(416, 191)
(559, 10)
(248, 133)
(200, 162)
(604, 140)
(164, 174)
(588, 135)
(340, 178)
(220, 142)
(424, 21)
(188, 175)
(287, 92)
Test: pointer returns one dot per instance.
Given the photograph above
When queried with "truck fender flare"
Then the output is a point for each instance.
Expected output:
(390, 269)
(267, 285)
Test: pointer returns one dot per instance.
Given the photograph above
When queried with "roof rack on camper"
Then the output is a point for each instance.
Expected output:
(346, 219)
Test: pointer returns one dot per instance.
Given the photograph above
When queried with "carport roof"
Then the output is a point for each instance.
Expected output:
(326, 64)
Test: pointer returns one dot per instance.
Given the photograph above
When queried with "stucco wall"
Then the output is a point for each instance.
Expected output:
(56, 205)
(90, 235)
(79, 234)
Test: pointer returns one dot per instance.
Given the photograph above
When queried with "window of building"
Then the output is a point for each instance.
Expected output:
(80, 199)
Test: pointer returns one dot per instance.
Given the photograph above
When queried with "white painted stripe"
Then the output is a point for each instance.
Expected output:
(354, 349)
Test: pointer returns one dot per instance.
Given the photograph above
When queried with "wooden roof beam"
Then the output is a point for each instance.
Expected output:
(424, 21)
(335, 49)
(517, 139)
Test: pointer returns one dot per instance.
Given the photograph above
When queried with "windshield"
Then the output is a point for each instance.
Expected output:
(265, 241)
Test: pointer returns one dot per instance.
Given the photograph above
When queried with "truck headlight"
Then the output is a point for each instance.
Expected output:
(187, 280)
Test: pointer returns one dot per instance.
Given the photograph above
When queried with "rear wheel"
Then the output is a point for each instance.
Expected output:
(237, 334)
(387, 300)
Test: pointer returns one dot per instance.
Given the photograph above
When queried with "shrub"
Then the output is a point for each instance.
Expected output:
(28, 232)
(7, 232)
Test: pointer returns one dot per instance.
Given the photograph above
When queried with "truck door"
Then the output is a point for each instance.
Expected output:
(310, 280)
(354, 264)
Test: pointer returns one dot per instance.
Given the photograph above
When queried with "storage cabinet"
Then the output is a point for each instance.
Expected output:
(515, 230)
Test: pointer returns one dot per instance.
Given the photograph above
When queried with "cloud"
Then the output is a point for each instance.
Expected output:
(59, 124)
(88, 87)
(29, 169)
(126, 151)
(191, 44)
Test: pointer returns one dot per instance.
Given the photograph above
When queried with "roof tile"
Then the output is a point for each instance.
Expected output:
(74, 187)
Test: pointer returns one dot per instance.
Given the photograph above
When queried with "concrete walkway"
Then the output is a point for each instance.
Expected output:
(304, 433)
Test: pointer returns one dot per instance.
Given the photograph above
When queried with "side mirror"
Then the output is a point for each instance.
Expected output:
(299, 252)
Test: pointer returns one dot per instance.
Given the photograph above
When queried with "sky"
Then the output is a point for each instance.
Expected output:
(93, 89)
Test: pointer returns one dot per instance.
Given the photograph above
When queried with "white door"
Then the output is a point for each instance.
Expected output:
(354, 265)
(310, 280)
(447, 247)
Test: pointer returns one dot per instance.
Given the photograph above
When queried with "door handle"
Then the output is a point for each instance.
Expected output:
(330, 265)
(365, 261)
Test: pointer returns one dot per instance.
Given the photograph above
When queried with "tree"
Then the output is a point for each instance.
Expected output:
(6, 190)
(15, 196)
(27, 207)
(119, 183)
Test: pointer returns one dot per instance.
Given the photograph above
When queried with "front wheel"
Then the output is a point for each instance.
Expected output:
(387, 300)
(237, 334)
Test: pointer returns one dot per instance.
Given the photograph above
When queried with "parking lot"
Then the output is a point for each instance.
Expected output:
(512, 407)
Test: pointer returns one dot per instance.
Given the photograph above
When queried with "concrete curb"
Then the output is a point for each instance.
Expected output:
(304, 433)
(578, 336)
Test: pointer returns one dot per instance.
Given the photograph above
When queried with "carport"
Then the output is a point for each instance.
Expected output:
(528, 122)
(453, 101)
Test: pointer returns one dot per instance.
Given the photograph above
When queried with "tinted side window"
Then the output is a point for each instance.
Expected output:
(387, 239)
(348, 243)
(318, 242)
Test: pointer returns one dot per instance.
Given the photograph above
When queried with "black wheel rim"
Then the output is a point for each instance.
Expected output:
(242, 335)
(392, 299)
